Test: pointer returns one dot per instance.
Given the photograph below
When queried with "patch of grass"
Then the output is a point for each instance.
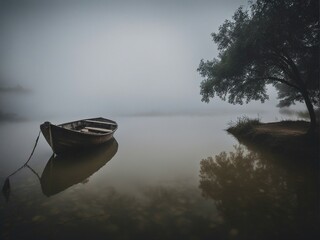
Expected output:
(243, 124)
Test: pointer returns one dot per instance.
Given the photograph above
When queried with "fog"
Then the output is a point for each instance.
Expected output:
(110, 58)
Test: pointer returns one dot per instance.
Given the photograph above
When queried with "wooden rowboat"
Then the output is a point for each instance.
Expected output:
(80, 134)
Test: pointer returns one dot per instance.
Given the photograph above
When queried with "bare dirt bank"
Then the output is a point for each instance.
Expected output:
(286, 137)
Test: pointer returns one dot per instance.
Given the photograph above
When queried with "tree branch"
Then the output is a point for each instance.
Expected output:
(281, 80)
(293, 68)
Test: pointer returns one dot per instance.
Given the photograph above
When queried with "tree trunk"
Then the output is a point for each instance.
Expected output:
(313, 120)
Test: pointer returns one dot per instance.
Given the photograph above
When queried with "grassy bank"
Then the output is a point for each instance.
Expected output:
(285, 137)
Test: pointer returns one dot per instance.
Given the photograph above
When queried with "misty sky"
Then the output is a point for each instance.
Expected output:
(104, 58)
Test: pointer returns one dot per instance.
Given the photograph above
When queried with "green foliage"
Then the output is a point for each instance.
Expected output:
(275, 42)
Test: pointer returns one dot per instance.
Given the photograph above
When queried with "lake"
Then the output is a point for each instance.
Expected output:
(155, 180)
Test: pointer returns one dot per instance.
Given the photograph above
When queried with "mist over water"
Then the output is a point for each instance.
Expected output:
(106, 58)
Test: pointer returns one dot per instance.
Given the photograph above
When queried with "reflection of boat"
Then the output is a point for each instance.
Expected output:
(63, 171)
(78, 134)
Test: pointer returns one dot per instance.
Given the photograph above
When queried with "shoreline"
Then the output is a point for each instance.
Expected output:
(285, 137)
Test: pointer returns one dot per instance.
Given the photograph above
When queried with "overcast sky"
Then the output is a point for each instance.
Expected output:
(102, 58)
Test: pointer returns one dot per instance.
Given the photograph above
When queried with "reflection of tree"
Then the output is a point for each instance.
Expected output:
(259, 200)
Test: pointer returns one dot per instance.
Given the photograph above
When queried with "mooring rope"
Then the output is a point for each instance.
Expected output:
(25, 164)
(35, 145)
(6, 185)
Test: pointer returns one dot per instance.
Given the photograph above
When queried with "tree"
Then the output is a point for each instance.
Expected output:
(275, 42)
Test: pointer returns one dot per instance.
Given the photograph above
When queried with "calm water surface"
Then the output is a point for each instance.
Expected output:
(155, 180)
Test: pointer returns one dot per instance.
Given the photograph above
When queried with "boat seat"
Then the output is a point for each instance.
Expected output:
(100, 122)
(94, 129)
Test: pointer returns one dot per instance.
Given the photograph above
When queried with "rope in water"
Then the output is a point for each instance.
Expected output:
(25, 164)
(6, 185)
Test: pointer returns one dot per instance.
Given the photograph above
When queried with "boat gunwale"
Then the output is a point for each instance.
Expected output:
(87, 134)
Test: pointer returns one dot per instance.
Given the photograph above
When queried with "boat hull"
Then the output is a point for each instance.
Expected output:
(62, 139)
